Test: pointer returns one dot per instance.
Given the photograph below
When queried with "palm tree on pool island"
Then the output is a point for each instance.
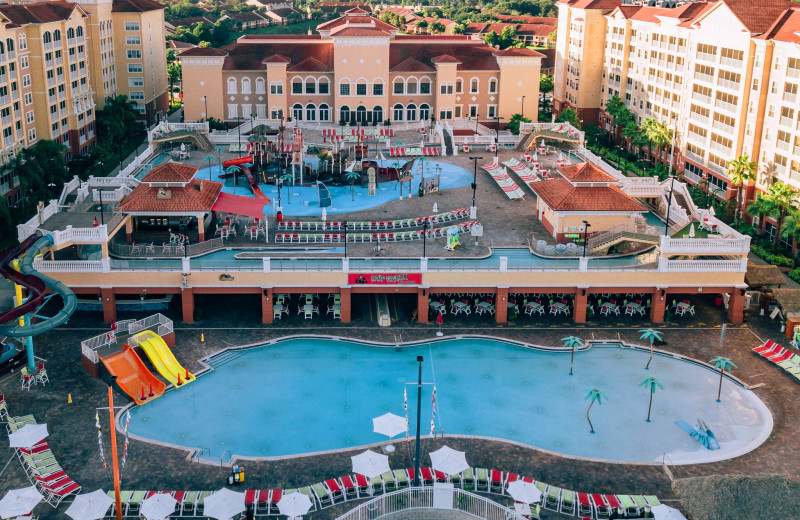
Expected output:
(722, 364)
(572, 342)
(651, 335)
(352, 176)
(652, 383)
(594, 395)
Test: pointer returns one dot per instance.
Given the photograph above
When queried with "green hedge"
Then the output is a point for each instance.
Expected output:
(779, 260)
(794, 274)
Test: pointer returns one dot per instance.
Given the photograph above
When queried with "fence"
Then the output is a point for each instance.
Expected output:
(91, 345)
(28, 228)
(423, 498)
(136, 163)
(163, 324)
(158, 252)
(166, 127)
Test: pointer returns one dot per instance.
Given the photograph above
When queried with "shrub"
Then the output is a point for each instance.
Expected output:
(779, 260)
(794, 274)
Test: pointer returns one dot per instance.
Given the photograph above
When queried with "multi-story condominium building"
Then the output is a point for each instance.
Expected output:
(357, 68)
(723, 74)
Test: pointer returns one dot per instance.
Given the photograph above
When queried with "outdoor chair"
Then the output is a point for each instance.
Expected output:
(41, 374)
(150, 248)
(322, 494)
(136, 248)
(567, 502)
(27, 379)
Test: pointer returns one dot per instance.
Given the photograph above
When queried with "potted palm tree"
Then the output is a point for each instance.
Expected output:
(594, 395)
(651, 383)
(572, 342)
(651, 335)
(722, 364)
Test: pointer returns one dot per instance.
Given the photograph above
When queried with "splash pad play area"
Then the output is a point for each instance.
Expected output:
(485, 388)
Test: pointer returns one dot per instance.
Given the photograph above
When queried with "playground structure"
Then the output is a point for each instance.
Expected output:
(132, 376)
(162, 357)
(452, 239)
(244, 164)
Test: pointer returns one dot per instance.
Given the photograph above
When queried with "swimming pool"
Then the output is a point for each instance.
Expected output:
(308, 395)
(304, 201)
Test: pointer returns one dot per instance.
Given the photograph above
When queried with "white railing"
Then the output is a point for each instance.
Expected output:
(111, 182)
(167, 127)
(594, 159)
(28, 228)
(71, 266)
(705, 245)
(423, 498)
(134, 165)
(559, 128)
(712, 266)
(467, 124)
(643, 189)
(73, 184)
(90, 235)
(162, 323)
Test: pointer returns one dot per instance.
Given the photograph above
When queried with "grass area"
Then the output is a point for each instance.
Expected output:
(292, 28)
(698, 233)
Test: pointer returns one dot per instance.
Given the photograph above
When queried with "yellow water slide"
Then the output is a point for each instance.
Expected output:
(162, 358)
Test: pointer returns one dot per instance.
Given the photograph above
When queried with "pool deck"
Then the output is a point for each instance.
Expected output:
(74, 441)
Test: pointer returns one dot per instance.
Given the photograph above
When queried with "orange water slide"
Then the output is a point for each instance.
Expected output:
(132, 376)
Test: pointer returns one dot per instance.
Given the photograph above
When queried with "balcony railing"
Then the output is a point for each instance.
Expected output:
(697, 138)
(719, 147)
(787, 121)
(791, 72)
(731, 62)
(785, 146)
(724, 105)
(695, 117)
(701, 97)
(6, 120)
(696, 158)
(704, 56)
(719, 125)
(708, 78)
(48, 46)
(725, 83)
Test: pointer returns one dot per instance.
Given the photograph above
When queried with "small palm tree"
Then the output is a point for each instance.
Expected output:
(722, 364)
(740, 171)
(791, 229)
(783, 198)
(651, 335)
(761, 207)
(352, 176)
(287, 178)
(594, 395)
(572, 342)
(652, 383)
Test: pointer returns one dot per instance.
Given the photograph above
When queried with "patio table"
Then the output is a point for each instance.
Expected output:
(436, 306)
(609, 308)
(560, 307)
(636, 308)
(534, 307)
(485, 307)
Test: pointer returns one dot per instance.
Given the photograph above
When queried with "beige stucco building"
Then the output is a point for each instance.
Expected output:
(357, 69)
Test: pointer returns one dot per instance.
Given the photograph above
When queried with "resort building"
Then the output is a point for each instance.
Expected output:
(357, 69)
(723, 74)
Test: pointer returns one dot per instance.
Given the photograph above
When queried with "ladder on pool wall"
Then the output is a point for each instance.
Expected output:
(382, 306)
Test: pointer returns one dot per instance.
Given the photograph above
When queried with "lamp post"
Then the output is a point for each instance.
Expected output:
(669, 204)
(425, 226)
(345, 238)
(522, 111)
(419, 410)
(586, 227)
(473, 211)
(239, 132)
(205, 107)
(118, 509)
(497, 134)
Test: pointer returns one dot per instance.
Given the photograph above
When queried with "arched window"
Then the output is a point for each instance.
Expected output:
(10, 44)
(2, 47)
(424, 112)
(377, 114)
(311, 86)
(311, 112)
(344, 113)
(70, 34)
(57, 36)
(79, 31)
(361, 87)
(411, 112)
(23, 42)
(459, 86)
(361, 114)
(261, 86)
(297, 112)
(324, 112)
(399, 86)
(231, 85)
(323, 86)
(377, 87)
(47, 37)
(246, 86)
(493, 86)
(398, 112)
(411, 86)
(473, 86)
(425, 86)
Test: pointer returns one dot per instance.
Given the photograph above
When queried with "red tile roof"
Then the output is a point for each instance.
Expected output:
(135, 6)
(445, 58)
(545, 20)
(585, 172)
(467, 54)
(356, 10)
(40, 12)
(170, 172)
(412, 65)
(197, 196)
(358, 20)
(560, 195)
(786, 28)
(518, 51)
(203, 51)
(593, 4)
(310, 65)
(276, 58)
(249, 54)
(359, 31)
(758, 16)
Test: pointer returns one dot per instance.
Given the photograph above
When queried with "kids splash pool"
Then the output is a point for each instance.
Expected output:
(309, 395)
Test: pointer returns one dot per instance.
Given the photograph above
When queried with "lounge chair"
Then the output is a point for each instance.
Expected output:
(135, 501)
(389, 483)
(496, 481)
(401, 478)
(334, 489)
(789, 363)
(274, 497)
(641, 503)
(322, 494)
(567, 502)
(427, 476)
(348, 486)
(189, 501)
(600, 506)
(652, 500)
(630, 506)
(376, 483)
(613, 503)
(764, 347)
(362, 484)
(584, 505)
(200, 504)
(481, 479)
(553, 498)
(468, 477)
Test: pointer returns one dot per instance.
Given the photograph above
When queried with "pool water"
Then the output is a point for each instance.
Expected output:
(308, 395)
(304, 201)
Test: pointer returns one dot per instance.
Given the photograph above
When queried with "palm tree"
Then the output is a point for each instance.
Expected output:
(791, 229)
(760, 207)
(722, 364)
(782, 198)
(174, 73)
(572, 342)
(287, 178)
(651, 335)
(352, 176)
(740, 171)
(659, 135)
(595, 395)
(614, 108)
(651, 382)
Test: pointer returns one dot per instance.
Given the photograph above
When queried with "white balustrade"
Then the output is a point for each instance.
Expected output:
(68, 266)
(738, 265)
(705, 246)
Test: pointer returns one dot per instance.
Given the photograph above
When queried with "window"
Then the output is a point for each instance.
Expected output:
(344, 89)
(445, 114)
(377, 114)
(311, 112)
(297, 112)
(233, 111)
(32, 134)
(135, 82)
(458, 110)
(297, 86)
(473, 111)
(23, 62)
(344, 113)
(246, 86)
(137, 95)
(311, 86)
(134, 67)
(261, 88)
(361, 114)
(23, 42)
(459, 87)
(377, 89)
(28, 99)
(493, 86)
(324, 87)
(26, 80)
(275, 113)
(411, 86)
(424, 112)
(411, 112)
(133, 40)
(134, 54)
(232, 86)
(246, 111)
(131, 26)
(56, 38)
(491, 111)
(446, 88)
(276, 89)
(29, 116)
(324, 112)
(425, 87)
(398, 87)
(398, 112)
(361, 89)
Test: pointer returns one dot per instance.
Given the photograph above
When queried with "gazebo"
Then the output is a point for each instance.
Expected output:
(170, 199)
(789, 302)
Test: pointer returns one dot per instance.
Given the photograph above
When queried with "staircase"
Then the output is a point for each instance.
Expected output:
(621, 233)
(522, 145)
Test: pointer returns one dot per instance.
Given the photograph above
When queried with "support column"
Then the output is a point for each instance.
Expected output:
(501, 305)
(345, 304)
(579, 309)
(129, 230)
(736, 306)
(109, 304)
(657, 305)
(201, 230)
(187, 303)
(266, 306)
(422, 305)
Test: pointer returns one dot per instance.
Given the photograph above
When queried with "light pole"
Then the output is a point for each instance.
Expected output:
(522, 111)
(345, 238)
(425, 226)
(497, 134)
(419, 410)
(586, 227)
(473, 211)
(669, 204)
(239, 132)
(205, 108)
(118, 509)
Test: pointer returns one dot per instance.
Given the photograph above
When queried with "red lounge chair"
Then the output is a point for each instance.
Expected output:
(511, 477)
(52, 477)
(768, 345)
(274, 498)
(427, 476)
(440, 476)
(584, 505)
(178, 496)
(250, 496)
(361, 482)
(600, 505)
(496, 481)
(777, 353)
(262, 503)
(36, 449)
(613, 502)
(334, 489)
(786, 354)
(771, 352)
(349, 486)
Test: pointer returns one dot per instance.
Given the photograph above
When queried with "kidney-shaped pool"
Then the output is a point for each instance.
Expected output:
(307, 395)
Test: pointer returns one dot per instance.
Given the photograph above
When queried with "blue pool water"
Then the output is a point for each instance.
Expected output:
(308, 395)
(304, 201)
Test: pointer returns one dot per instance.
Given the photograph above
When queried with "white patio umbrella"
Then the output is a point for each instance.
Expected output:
(324, 214)
(526, 492)
(28, 435)
(294, 504)
(89, 506)
(389, 424)
(435, 208)
(691, 230)
(18, 502)
(664, 512)
(449, 461)
(158, 506)
(223, 504)
(370, 464)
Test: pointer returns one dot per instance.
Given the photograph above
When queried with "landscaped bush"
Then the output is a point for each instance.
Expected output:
(779, 260)
(794, 274)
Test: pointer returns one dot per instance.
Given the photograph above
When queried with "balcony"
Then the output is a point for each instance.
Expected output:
(80, 39)
(730, 62)
(73, 74)
(51, 82)
(719, 147)
(12, 55)
(12, 74)
(81, 55)
(3, 78)
(704, 56)
(4, 100)
(792, 73)
(52, 99)
(48, 64)
(694, 117)
(719, 125)
(787, 122)
(696, 138)
(707, 78)
(786, 146)
(724, 105)
(60, 78)
(701, 98)
(59, 60)
(716, 168)
(6, 120)
(788, 97)
(724, 83)
(48, 46)
(15, 94)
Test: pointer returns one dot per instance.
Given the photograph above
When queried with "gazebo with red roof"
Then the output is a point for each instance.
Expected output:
(585, 192)
(170, 199)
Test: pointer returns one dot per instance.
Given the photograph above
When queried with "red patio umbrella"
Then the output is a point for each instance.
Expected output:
(439, 322)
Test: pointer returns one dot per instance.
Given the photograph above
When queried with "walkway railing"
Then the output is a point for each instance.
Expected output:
(162, 323)
(423, 498)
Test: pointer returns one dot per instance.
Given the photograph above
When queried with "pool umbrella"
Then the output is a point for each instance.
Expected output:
(370, 464)
(691, 230)
(324, 214)
(223, 504)
(89, 506)
(439, 322)
(158, 506)
(18, 502)
(526, 492)
(294, 504)
(28, 435)
(449, 461)
(389, 424)
(664, 512)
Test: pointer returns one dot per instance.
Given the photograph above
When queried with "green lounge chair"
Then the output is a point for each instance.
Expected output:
(541, 486)
(553, 498)
(481, 479)
(468, 476)
(536, 510)
(401, 478)
(189, 501)
(377, 484)
(310, 494)
(652, 500)
(39, 456)
(630, 506)
(567, 502)
(135, 501)
(323, 495)
(201, 502)
(388, 481)
(641, 503)
(791, 362)
(794, 370)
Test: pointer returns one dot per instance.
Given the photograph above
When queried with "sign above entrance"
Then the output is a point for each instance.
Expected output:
(384, 278)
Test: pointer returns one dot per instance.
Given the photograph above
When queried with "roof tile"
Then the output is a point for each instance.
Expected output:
(560, 195)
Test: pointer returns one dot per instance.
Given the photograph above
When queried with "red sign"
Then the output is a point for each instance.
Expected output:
(384, 278)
